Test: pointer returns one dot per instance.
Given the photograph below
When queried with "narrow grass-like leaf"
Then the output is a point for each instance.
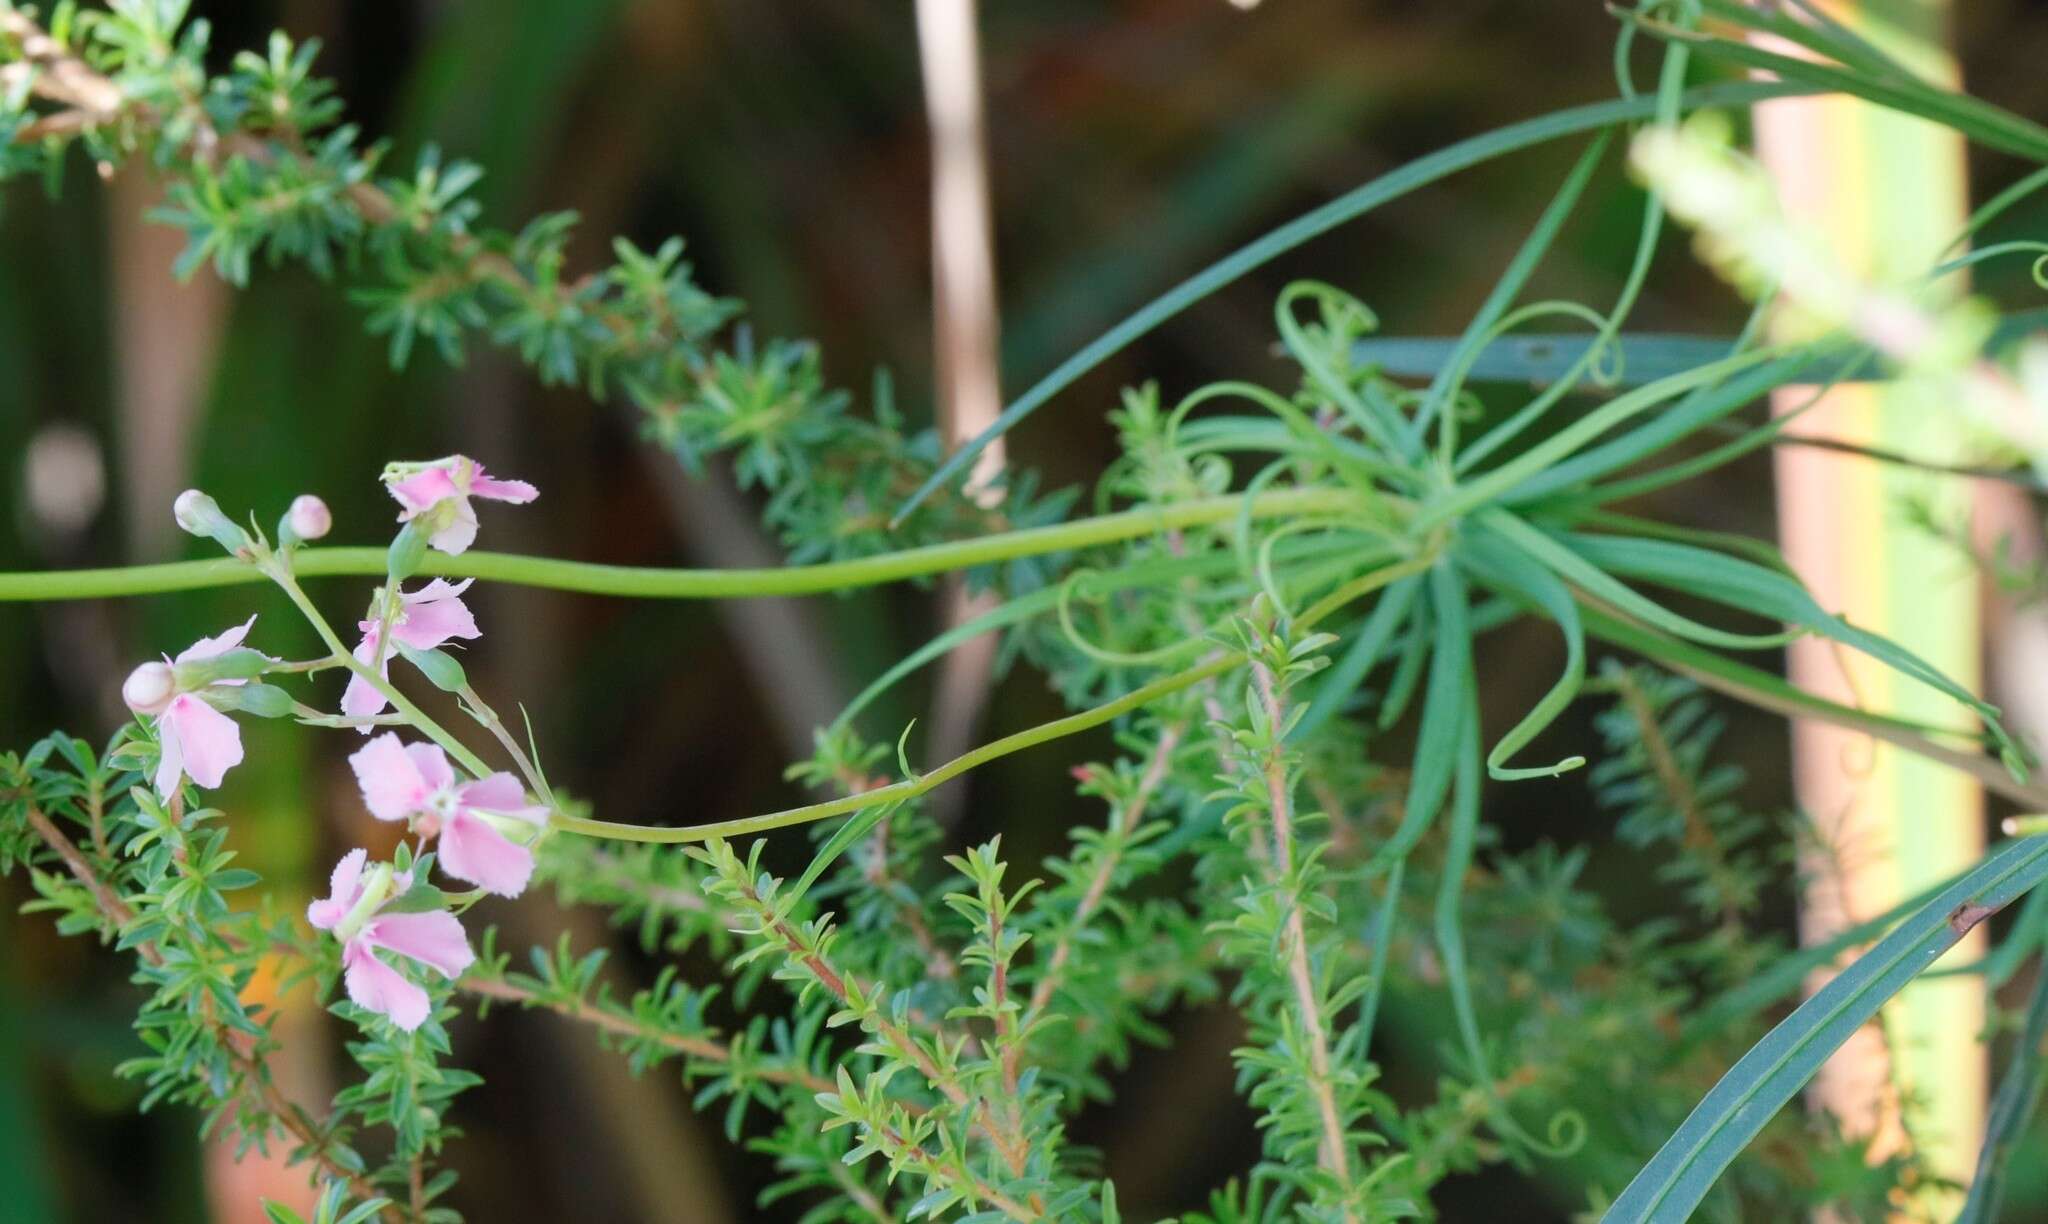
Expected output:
(2019, 1095)
(1991, 126)
(1462, 838)
(1822, 35)
(1695, 412)
(1672, 1184)
(1501, 565)
(1582, 571)
(1783, 977)
(1367, 649)
(1391, 186)
(2021, 942)
(856, 826)
(1500, 483)
(1740, 584)
(1458, 363)
(1539, 358)
(1443, 715)
(1768, 692)
(1762, 552)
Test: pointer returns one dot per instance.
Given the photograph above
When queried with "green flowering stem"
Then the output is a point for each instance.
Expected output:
(288, 582)
(1058, 728)
(488, 718)
(910, 789)
(643, 583)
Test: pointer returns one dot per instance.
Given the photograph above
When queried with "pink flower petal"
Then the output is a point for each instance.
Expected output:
(438, 589)
(474, 851)
(361, 698)
(432, 764)
(434, 939)
(170, 761)
(390, 778)
(431, 617)
(380, 988)
(344, 889)
(219, 644)
(517, 491)
(501, 794)
(208, 741)
(421, 490)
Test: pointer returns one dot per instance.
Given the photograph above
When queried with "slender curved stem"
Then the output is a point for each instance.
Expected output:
(914, 787)
(1043, 733)
(644, 583)
(412, 713)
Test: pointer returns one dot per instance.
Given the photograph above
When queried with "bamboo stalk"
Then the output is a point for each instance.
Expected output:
(1888, 192)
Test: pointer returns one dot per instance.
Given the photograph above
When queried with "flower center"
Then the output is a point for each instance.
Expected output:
(442, 803)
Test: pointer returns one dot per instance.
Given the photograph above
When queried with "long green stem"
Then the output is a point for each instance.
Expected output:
(635, 582)
(1045, 732)
(914, 787)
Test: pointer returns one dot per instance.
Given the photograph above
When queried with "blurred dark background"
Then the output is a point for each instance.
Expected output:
(1130, 144)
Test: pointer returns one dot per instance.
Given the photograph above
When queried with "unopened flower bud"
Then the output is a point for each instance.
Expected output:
(200, 515)
(197, 513)
(308, 518)
(149, 688)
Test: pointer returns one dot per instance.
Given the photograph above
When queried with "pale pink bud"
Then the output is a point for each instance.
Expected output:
(309, 518)
(149, 688)
(197, 513)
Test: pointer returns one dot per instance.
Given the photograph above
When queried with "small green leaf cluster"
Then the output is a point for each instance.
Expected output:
(156, 880)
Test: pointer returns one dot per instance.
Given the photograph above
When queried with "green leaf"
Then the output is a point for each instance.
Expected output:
(1391, 186)
(421, 898)
(1443, 715)
(857, 826)
(1505, 568)
(1388, 615)
(439, 667)
(1768, 692)
(1678, 1177)
(1769, 593)
(1988, 125)
(261, 700)
(1697, 410)
(1457, 366)
(2019, 1094)
(1577, 568)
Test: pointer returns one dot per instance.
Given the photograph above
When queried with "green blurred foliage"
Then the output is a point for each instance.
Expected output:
(1130, 143)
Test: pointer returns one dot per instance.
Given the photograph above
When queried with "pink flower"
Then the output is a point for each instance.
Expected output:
(477, 821)
(354, 912)
(197, 740)
(439, 492)
(426, 618)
